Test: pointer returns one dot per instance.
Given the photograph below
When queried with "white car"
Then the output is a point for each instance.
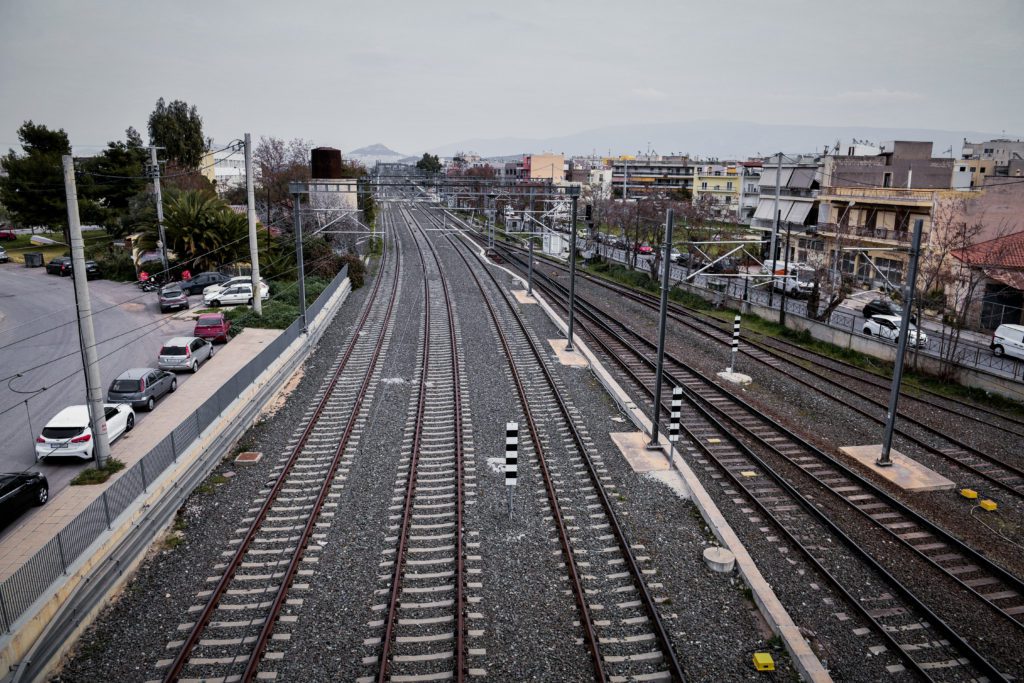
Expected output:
(69, 433)
(888, 327)
(238, 280)
(230, 296)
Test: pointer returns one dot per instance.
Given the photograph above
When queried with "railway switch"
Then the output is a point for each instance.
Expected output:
(989, 505)
(969, 493)
(763, 661)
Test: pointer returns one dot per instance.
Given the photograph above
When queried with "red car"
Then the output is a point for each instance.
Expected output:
(8, 235)
(212, 326)
(644, 249)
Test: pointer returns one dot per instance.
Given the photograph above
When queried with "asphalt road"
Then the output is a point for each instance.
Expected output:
(39, 339)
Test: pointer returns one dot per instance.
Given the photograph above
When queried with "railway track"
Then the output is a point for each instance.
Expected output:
(989, 468)
(242, 613)
(717, 416)
(424, 635)
(618, 612)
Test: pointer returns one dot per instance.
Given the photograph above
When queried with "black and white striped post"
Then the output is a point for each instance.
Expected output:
(673, 423)
(511, 460)
(735, 343)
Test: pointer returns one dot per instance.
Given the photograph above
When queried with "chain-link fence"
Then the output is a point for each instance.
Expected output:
(32, 579)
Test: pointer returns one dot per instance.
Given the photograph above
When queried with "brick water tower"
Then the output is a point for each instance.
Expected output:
(326, 163)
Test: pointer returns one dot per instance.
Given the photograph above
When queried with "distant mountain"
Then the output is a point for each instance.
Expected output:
(371, 154)
(708, 138)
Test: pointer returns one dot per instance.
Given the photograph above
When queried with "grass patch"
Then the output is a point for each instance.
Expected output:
(180, 523)
(211, 484)
(98, 475)
(172, 541)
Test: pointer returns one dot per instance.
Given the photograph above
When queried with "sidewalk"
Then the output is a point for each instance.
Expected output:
(38, 526)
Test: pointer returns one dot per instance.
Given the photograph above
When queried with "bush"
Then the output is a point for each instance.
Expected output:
(116, 265)
(98, 475)
(356, 269)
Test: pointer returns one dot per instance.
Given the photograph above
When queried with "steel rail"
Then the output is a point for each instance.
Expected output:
(203, 619)
(706, 408)
(661, 632)
(396, 583)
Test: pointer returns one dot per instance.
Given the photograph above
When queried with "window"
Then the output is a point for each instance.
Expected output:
(887, 180)
(982, 169)
(704, 185)
(963, 168)
(728, 185)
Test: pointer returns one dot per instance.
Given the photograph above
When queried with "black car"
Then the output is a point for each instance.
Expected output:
(199, 282)
(885, 307)
(60, 265)
(172, 297)
(19, 491)
(92, 269)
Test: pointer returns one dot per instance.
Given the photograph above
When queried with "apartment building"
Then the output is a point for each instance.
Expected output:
(716, 185)
(651, 174)
(750, 182)
(544, 167)
(224, 168)
(1001, 157)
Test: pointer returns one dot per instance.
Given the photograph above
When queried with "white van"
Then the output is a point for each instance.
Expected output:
(1008, 340)
(798, 281)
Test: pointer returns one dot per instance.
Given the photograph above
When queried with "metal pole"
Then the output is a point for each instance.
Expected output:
(529, 277)
(662, 315)
(775, 212)
(897, 375)
(771, 262)
(785, 278)
(572, 270)
(298, 257)
(254, 245)
(159, 210)
(93, 383)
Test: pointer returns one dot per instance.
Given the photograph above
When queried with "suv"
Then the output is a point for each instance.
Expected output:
(172, 297)
(60, 265)
(888, 327)
(197, 283)
(1008, 340)
(141, 387)
(184, 353)
(884, 307)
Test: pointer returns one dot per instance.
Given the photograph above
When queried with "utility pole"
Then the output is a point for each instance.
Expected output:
(897, 375)
(574, 193)
(254, 245)
(785, 278)
(625, 180)
(298, 258)
(663, 314)
(775, 212)
(93, 383)
(155, 170)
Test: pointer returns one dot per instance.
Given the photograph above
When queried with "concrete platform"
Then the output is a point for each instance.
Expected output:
(36, 530)
(906, 473)
(573, 359)
(633, 446)
(522, 297)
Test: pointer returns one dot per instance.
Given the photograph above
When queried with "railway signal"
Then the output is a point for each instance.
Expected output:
(735, 343)
(511, 460)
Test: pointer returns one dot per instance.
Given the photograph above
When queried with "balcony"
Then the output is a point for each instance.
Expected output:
(889, 195)
(880, 234)
(769, 191)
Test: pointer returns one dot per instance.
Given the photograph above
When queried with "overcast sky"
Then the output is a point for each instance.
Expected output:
(415, 75)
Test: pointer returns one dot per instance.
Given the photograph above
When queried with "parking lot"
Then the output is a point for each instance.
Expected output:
(40, 359)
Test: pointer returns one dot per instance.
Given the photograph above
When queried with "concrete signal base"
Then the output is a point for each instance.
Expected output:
(904, 472)
(573, 359)
(735, 377)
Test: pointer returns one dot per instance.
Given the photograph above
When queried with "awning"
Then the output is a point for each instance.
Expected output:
(768, 177)
(765, 209)
(801, 178)
(798, 214)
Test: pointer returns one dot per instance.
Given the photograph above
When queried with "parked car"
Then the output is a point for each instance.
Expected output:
(172, 297)
(19, 490)
(233, 295)
(681, 258)
(213, 327)
(239, 280)
(92, 269)
(885, 307)
(8, 235)
(643, 249)
(1008, 340)
(59, 265)
(4, 258)
(184, 353)
(197, 283)
(888, 327)
(69, 433)
(141, 387)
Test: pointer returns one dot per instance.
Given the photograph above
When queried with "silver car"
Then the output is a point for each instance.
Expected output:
(141, 387)
(184, 353)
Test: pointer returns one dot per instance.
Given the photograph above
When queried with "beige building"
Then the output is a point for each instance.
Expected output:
(544, 167)
(717, 186)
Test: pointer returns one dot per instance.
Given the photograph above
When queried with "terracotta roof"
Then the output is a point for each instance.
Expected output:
(1004, 252)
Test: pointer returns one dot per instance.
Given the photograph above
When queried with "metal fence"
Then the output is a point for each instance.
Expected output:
(31, 580)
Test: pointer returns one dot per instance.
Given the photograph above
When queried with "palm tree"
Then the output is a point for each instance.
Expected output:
(201, 231)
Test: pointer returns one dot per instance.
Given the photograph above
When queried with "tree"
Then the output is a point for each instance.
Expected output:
(179, 129)
(115, 177)
(202, 231)
(277, 164)
(33, 189)
(429, 163)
